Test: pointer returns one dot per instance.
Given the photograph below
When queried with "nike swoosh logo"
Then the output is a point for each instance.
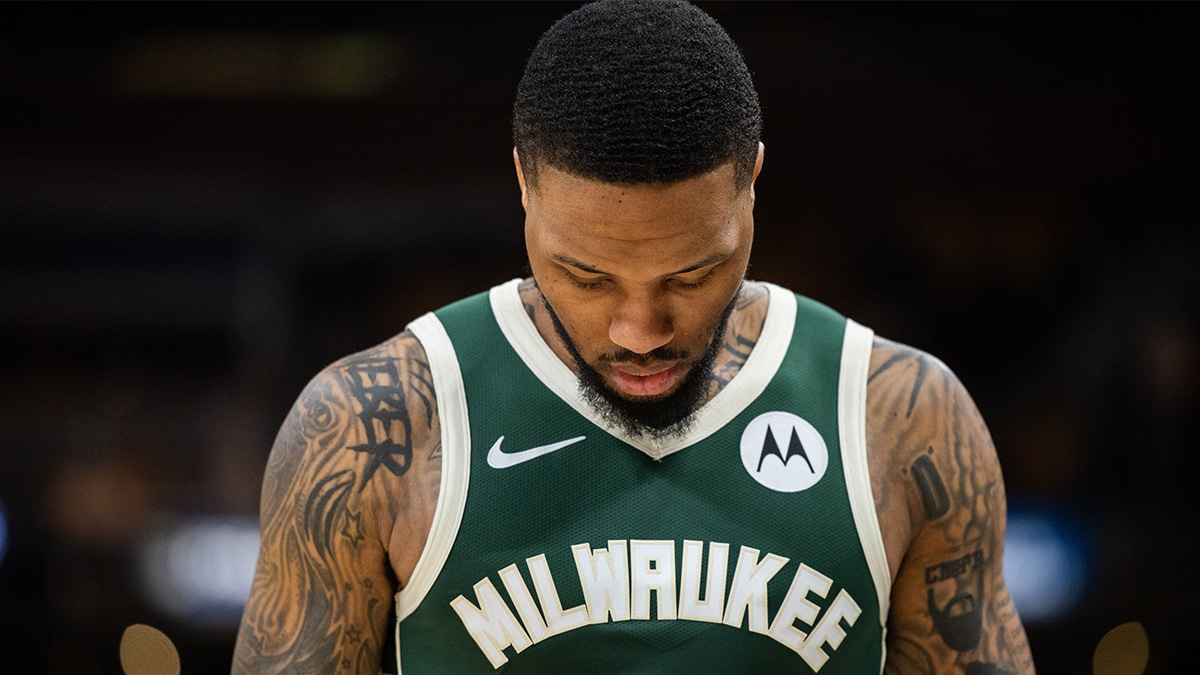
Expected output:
(498, 459)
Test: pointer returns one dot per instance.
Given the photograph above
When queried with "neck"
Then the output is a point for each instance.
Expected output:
(741, 333)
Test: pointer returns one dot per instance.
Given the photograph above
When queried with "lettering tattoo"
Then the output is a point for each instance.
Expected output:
(383, 412)
(939, 475)
(958, 618)
(325, 578)
(955, 568)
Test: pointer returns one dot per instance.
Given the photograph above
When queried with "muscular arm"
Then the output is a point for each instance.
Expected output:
(941, 500)
(346, 501)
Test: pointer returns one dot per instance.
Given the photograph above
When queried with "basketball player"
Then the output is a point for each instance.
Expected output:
(636, 460)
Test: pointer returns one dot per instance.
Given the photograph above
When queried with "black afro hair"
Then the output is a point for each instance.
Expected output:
(637, 91)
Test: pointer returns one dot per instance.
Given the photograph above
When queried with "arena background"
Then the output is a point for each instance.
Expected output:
(202, 204)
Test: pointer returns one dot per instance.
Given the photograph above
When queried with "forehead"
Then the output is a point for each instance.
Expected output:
(582, 218)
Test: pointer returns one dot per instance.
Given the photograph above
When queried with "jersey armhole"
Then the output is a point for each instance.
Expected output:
(852, 422)
(456, 463)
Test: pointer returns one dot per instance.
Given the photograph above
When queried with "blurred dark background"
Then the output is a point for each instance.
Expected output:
(202, 204)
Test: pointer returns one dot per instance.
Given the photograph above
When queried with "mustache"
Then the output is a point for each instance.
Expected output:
(621, 355)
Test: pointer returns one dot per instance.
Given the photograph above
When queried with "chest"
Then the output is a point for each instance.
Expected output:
(745, 546)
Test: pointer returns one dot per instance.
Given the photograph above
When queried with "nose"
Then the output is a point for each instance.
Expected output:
(641, 324)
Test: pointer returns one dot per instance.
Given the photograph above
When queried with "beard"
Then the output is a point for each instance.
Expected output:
(654, 417)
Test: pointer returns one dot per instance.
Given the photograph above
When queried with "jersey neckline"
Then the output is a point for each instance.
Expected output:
(760, 367)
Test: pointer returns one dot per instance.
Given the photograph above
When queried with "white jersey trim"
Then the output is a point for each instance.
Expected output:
(852, 425)
(747, 385)
(456, 465)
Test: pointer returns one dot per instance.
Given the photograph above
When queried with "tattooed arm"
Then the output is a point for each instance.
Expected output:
(347, 501)
(940, 498)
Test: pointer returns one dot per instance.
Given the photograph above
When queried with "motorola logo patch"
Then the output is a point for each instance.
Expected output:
(784, 452)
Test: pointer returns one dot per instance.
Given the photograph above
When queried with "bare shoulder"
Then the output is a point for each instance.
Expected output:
(361, 424)
(907, 392)
(939, 493)
(348, 495)
(394, 436)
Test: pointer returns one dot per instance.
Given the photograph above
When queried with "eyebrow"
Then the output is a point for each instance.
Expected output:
(578, 264)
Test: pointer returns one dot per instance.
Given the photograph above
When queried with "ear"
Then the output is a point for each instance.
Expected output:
(757, 169)
(525, 191)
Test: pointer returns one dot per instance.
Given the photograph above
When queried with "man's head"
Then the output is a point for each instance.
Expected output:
(636, 91)
(641, 125)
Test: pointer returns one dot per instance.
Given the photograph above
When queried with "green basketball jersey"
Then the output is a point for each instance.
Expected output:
(561, 544)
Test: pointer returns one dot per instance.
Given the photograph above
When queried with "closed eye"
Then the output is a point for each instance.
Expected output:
(689, 284)
(587, 284)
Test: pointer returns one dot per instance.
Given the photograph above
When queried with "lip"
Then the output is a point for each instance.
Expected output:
(651, 380)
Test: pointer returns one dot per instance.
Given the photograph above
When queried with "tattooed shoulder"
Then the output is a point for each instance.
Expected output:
(363, 413)
(925, 427)
(356, 460)
(390, 394)
(900, 378)
(935, 473)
